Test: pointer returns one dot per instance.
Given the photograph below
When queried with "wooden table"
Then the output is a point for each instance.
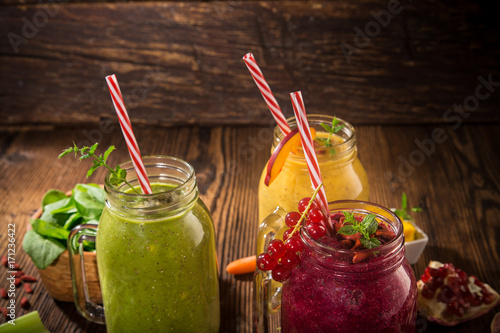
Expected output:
(456, 182)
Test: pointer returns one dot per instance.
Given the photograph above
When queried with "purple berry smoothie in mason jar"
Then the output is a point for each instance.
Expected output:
(327, 292)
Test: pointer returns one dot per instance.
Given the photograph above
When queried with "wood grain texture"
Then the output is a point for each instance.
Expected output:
(180, 62)
(457, 184)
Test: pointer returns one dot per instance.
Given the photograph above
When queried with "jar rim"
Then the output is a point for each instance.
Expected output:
(149, 160)
(388, 247)
(344, 148)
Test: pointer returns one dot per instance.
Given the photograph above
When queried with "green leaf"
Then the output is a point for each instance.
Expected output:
(370, 224)
(49, 216)
(66, 152)
(93, 168)
(42, 250)
(68, 208)
(326, 127)
(416, 209)
(73, 221)
(338, 128)
(370, 243)
(404, 202)
(49, 229)
(89, 200)
(107, 152)
(119, 176)
(93, 148)
(347, 230)
(52, 196)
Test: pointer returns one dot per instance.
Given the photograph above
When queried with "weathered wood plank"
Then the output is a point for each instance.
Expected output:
(456, 183)
(180, 62)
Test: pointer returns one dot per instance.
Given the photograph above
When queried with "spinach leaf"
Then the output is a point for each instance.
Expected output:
(42, 250)
(73, 221)
(49, 229)
(52, 196)
(89, 201)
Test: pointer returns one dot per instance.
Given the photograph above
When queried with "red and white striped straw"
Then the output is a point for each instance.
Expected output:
(266, 92)
(126, 126)
(308, 146)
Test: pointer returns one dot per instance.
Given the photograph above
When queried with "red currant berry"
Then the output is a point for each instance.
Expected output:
(276, 248)
(280, 273)
(292, 218)
(265, 262)
(290, 260)
(316, 230)
(294, 245)
(303, 204)
(315, 215)
(287, 233)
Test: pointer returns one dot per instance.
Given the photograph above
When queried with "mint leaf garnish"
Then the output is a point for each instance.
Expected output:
(118, 175)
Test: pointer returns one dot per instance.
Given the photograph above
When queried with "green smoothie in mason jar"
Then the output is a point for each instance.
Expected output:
(156, 254)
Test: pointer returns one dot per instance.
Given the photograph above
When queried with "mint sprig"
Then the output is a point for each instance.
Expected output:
(403, 212)
(334, 128)
(118, 175)
(367, 227)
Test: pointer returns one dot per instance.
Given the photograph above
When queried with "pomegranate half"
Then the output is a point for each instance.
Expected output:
(448, 296)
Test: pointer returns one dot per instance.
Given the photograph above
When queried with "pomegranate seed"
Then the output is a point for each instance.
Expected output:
(432, 285)
(265, 262)
(276, 248)
(280, 273)
(303, 204)
(477, 282)
(476, 301)
(3, 310)
(5, 261)
(315, 215)
(427, 293)
(3, 292)
(292, 218)
(316, 230)
(17, 282)
(461, 274)
(488, 297)
(294, 245)
(290, 260)
(447, 295)
(442, 272)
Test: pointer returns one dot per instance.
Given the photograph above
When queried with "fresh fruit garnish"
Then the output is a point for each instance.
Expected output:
(448, 296)
(334, 128)
(288, 144)
(283, 256)
(356, 232)
(409, 231)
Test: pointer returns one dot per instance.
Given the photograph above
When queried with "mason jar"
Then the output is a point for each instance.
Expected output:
(155, 253)
(344, 177)
(327, 292)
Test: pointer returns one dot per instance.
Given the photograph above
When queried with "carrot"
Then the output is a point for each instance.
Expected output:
(242, 266)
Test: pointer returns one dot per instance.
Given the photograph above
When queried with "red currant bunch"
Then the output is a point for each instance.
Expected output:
(283, 256)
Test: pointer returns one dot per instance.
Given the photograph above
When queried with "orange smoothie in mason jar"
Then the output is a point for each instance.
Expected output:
(343, 174)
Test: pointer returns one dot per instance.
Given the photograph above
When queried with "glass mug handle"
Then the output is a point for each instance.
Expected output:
(267, 292)
(87, 308)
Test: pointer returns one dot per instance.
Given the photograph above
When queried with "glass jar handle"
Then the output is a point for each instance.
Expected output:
(267, 292)
(88, 309)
